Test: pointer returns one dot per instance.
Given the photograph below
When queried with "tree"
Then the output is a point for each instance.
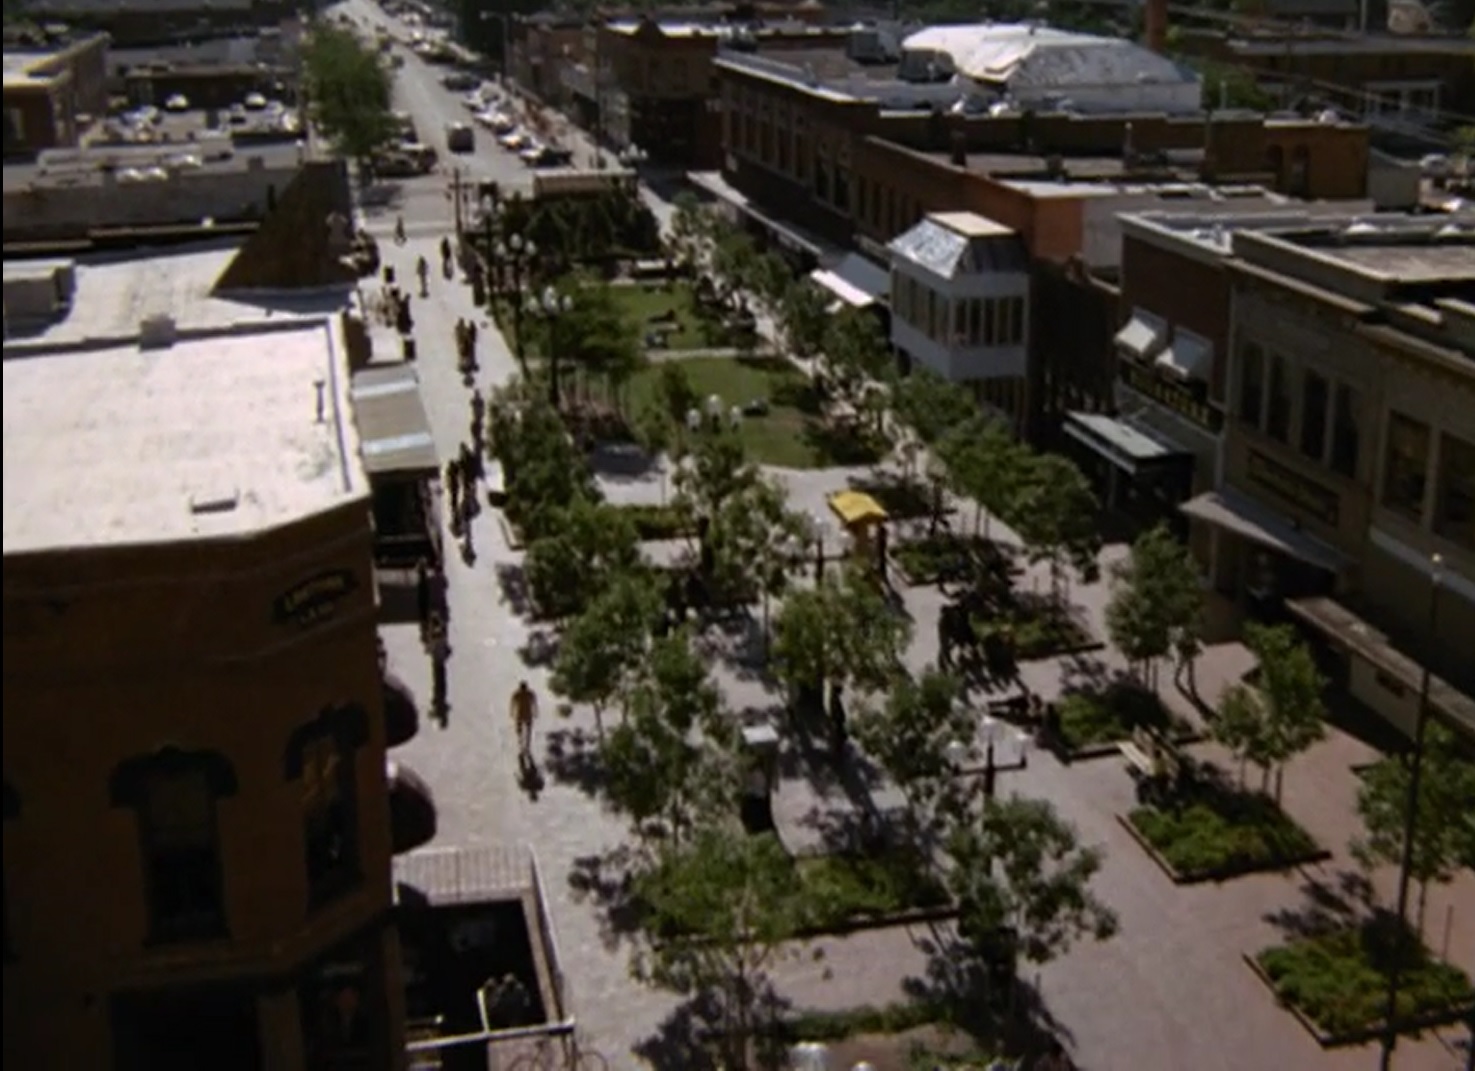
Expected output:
(1281, 716)
(690, 230)
(1156, 600)
(596, 336)
(675, 392)
(1022, 882)
(985, 463)
(909, 738)
(348, 90)
(601, 650)
(1054, 511)
(674, 756)
(720, 909)
(1444, 826)
(752, 540)
(543, 471)
(857, 357)
(588, 544)
(734, 260)
(932, 406)
(802, 316)
(655, 431)
(772, 278)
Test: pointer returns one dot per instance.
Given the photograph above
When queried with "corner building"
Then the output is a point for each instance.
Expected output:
(197, 820)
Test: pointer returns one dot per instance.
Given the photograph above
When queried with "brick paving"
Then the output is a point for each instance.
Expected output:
(1168, 993)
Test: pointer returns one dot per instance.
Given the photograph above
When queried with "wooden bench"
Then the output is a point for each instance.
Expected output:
(1140, 761)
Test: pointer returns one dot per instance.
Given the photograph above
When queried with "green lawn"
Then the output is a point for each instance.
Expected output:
(1339, 980)
(694, 330)
(790, 434)
(1214, 831)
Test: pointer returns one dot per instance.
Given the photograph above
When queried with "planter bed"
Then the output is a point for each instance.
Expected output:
(927, 559)
(1041, 632)
(653, 523)
(1094, 724)
(1335, 983)
(1213, 833)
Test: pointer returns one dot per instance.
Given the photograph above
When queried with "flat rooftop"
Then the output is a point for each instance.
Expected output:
(208, 438)
(1412, 263)
(18, 67)
(116, 293)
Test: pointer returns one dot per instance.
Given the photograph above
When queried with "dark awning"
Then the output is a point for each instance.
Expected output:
(1127, 447)
(393, 428)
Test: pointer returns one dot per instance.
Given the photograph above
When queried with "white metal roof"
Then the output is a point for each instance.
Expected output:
(1022, 54)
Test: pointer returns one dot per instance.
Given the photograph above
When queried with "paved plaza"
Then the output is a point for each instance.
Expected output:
(1169, 993)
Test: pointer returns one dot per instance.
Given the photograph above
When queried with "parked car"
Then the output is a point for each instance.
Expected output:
(548, 156)
(460, 137)
(513, 142)
(255, 102)
(177, 103)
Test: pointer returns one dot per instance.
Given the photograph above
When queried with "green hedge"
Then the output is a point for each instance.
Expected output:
(1109, 715)
(657, 522)
(1218, 833)
(1339, 980)
(840, 890)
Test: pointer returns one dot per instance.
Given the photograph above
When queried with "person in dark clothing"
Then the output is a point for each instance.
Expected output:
(423, 596)
(440, 654)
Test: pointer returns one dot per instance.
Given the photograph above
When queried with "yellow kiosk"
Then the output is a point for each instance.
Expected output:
(865, 519)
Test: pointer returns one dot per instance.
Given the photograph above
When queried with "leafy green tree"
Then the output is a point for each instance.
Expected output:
(985, 463)
(803, 316)
(587, 545)
(600, 652)
(1054, 512)
(675, 392)
(595, 336)
(721, 910)
(348, 91)
(655, 431)
(674, 757)
(753, 539)
(543, 471)
(715, 469)
(1444, 826)
(932, 406)
(772, 279)
(1157, 598)
(908, 738)
(690, 230)
(1023, 882)
(1284, 714)
(735, 261)
(857, 357)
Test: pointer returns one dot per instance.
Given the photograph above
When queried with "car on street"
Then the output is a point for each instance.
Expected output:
(548, 156)
(513, 142)
(255, 102)
(460, 137)
(460, 81)
(177, 103)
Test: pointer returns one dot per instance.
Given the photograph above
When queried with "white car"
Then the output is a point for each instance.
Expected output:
(530, 152)
(514, 141)
(177, 103)
(255, 102)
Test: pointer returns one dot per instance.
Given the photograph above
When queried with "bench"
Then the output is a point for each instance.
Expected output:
(1141, 762)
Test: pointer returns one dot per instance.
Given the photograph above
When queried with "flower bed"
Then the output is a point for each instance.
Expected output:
(1095, 722)
(656, 522)
(1336, 983)
(1213, 832)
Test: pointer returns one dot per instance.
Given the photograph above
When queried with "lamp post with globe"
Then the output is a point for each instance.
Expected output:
(552, 305)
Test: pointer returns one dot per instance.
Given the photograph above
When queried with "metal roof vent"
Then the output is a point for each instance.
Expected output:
(205, 502)
(157, 332)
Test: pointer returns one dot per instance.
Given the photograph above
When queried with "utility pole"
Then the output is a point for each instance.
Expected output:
(1410, 825)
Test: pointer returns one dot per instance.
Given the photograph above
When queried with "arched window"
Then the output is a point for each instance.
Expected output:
(320, 755)
(174, 793)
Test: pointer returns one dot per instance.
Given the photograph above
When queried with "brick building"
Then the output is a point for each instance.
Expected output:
(1349, 453)
(151, 22)
(539, 48)
(47, 89)
(197, 873)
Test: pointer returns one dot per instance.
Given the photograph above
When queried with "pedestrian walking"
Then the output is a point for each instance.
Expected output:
(524, 715)
(453, 485)
(422, 271)
(445, 256)
(400, 238)
(422, 597)
(440, 655)
(478, 422)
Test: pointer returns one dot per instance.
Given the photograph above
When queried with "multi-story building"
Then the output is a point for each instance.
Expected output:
(148, 22)
(539, 48)
(960, 287)
(199, 811)
(1349, 453)
(47, 89)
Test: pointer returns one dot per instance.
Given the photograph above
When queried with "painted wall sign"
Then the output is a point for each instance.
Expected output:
(315, 598)
(1290, 486)
(1172, 396)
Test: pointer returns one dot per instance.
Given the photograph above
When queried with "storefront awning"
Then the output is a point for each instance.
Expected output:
(1128, 448)
(1238, 513)
(1187, 357)
(1143, 336)
(393, 427)
(848, 294)
(1348, 630)
(857, 507)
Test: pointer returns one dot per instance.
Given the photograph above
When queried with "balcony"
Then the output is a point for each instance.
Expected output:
(412, 819)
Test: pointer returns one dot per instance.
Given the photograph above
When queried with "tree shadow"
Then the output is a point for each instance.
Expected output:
(683, 1040)
(736, 640)
(573, 759)
(1085, 673)
(1328, 906)
(512, 583)
(604, 881)
(541, 648)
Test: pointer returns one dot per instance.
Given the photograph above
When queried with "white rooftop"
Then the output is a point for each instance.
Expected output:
(208, 438)
(1025, 54)
(114, 295)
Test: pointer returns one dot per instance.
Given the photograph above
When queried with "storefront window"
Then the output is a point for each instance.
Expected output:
(1406, 466)
(1454, 518)
(1345, 439)
(1251, 383)
(1315, 394)
(1278, 401)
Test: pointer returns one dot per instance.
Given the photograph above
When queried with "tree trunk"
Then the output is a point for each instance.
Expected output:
(599, 719)
(1419, 911)
(1280, 772)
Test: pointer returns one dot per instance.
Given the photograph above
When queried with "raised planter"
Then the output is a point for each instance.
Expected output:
(1105, 748)
(1330, 1039)
(1224, 873)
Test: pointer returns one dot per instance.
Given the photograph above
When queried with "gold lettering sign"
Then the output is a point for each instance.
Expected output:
(1172, 396)
(315, 598)
(1290, 486)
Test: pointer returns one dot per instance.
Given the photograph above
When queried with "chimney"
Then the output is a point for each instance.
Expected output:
(960, 149)
(1155, 25)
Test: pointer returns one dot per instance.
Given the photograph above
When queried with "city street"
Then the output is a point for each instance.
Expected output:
(1169, 993)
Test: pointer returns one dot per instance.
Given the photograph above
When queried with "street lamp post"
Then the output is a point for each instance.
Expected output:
(551, 306)
(1410, 822)
(517, 253)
